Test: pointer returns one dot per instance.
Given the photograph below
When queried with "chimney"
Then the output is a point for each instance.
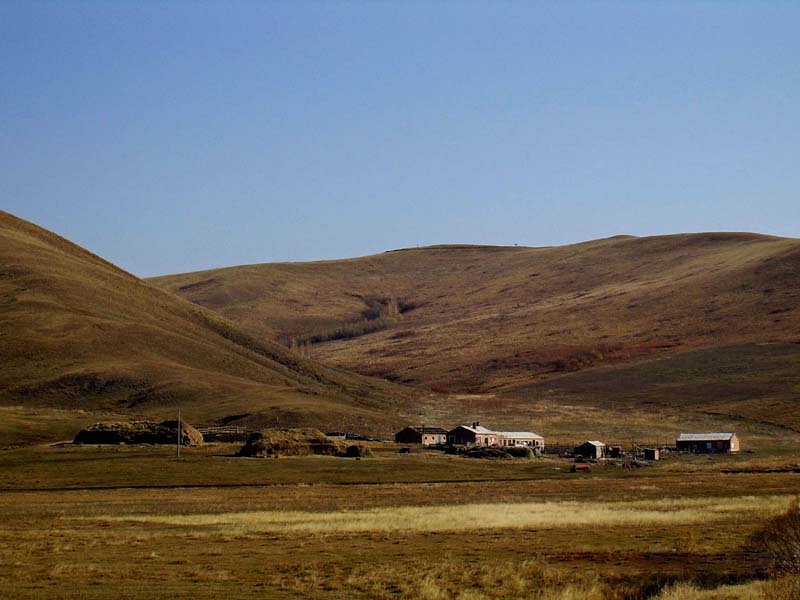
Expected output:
(477, 423)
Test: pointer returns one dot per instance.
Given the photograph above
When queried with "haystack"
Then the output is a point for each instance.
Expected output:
(139, 432)
(295, 442)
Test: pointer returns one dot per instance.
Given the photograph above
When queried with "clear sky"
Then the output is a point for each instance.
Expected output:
(175, 136)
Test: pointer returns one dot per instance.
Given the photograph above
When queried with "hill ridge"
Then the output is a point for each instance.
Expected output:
(78, 332)
(493, 317)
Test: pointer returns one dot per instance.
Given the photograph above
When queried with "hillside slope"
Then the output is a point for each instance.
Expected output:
(77, 332)
(472, 318)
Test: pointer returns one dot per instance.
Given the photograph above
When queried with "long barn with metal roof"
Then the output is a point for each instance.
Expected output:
(707, 442)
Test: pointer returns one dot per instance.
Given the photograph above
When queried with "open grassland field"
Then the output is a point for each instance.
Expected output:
(88, 522)
(477, 319)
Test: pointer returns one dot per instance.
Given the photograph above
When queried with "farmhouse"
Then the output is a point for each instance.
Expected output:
(591, 449)
(477, 435)
(427, 436)
(472, 435)
(707, 442)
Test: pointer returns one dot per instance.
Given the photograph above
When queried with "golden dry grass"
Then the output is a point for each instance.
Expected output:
(472, 517)
(688, 591)
(784, 588)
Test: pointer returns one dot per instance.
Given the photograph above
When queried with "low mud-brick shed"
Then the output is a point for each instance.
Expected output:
(707, 442)
(651, 453)
(591, 449)
(427, 436)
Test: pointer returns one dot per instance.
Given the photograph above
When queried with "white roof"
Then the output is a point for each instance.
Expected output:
(520, 435)
(478, 429)
(704, 437)
(595, 443)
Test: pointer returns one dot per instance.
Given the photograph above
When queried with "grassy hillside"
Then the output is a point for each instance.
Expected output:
(486, 319)
(76, 332)
(753, 389)
(623, 336)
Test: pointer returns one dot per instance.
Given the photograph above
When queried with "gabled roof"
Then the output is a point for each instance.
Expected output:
(520, 435)
(479, 429)
(705, 437)
(594, 443)
(428, 430)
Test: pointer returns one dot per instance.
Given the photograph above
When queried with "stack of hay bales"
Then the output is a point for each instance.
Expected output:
(298, 442)
(139, 432)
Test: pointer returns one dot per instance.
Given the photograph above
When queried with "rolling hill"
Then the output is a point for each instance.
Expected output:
(620, 336)
(77, 332)
(490, 319)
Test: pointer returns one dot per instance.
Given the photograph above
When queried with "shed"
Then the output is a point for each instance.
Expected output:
(707, 442)
(651, 453)
(591, 449)
(427, 436)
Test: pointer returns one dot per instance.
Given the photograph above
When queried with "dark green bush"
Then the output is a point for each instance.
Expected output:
(520, 451)
(358, 451)
(779, 540)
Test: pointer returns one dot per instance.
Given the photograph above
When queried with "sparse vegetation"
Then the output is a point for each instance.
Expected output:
(346, 331)
(379, 314)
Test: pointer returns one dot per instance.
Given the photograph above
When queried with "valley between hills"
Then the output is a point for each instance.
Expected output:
(638, 336)
(626, 340)
(705, 322)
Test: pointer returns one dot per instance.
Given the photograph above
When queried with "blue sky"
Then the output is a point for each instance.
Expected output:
(176, 136)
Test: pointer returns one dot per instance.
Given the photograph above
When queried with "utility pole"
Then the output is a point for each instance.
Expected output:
(178, 446)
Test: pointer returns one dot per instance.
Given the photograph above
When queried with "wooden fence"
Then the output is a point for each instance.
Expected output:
(225, 433)
(635, 446)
